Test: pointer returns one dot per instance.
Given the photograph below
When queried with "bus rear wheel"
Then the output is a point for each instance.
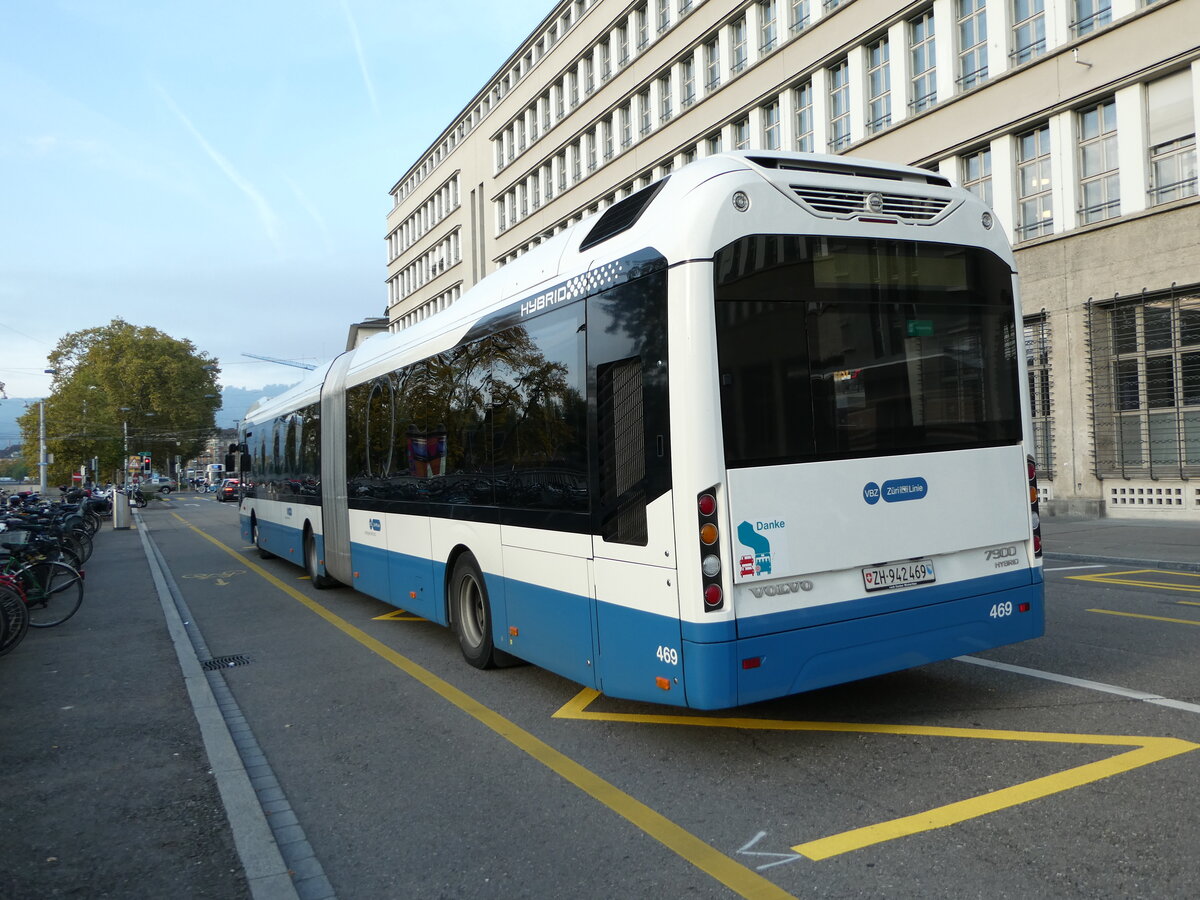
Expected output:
(472, 613)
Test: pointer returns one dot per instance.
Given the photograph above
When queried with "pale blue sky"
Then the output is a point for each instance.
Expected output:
(219, 170)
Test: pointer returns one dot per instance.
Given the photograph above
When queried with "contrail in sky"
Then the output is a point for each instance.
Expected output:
(265, 214)
(312, 211)
(362, 59)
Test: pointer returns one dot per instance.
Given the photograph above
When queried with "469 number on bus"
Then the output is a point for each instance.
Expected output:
(1000, 610)
(669, 655)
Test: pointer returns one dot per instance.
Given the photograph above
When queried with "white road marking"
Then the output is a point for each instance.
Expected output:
(1156, 699)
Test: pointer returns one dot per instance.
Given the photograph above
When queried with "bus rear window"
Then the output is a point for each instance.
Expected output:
(831, 348)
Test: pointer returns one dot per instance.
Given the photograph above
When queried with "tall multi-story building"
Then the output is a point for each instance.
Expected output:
(1074, 119)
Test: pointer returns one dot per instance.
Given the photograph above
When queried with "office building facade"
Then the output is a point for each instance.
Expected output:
(1075, 120)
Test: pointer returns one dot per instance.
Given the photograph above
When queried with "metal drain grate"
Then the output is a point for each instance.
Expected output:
(225, 662)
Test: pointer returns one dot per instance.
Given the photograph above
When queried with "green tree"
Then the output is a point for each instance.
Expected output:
(120, 384)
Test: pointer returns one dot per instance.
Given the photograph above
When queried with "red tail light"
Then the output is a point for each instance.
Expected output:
(709, 533)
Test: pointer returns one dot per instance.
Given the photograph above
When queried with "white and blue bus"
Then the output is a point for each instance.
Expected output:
(758, 428)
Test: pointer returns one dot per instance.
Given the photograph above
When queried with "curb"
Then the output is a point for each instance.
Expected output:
(1124, 561)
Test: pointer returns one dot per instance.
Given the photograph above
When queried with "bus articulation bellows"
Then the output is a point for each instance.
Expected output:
(758, 428)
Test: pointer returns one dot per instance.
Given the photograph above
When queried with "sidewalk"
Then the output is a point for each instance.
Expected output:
(106, 789)
(1137, 543)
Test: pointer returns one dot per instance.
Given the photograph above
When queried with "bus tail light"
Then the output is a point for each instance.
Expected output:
(709, 533)
(1034, 517)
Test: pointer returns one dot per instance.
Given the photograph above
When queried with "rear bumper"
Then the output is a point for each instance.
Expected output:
(802, 659)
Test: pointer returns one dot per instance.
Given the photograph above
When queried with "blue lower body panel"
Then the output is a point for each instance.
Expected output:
(733, 673)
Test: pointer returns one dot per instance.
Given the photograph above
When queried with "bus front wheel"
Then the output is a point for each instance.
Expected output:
(472, 613)
(256, 539)
(312, 565)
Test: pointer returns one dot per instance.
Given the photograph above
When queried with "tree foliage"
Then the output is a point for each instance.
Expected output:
(118, 383)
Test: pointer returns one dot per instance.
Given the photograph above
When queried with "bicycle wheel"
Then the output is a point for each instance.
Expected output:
(53, 592)
(14, 619)
(80, 542)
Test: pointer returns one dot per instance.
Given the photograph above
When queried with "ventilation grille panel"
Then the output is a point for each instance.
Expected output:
(845, 204)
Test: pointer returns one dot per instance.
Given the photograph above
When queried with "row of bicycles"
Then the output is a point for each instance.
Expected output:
(43, 548)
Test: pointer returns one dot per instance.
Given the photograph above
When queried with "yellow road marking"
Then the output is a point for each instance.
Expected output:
(1187, 603)
(732, 874)
(1129, 615)
(399, 615)
(1112, 578)
(1147, 750)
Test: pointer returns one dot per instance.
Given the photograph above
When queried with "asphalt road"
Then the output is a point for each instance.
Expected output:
(1065, 768)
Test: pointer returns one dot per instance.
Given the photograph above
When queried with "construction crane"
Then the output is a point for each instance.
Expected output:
(282, 362)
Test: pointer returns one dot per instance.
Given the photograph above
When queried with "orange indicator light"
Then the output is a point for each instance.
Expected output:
(664, 683)
(513, 630)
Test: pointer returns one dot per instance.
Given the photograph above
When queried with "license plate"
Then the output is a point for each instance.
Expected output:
(894, 575)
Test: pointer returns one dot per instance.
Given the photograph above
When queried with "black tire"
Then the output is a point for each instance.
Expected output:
(471, 613)
(165, 489)
(263, 552)
(68, 556)
(81, 542)
(53, 592)
(312, 564)
(14, 619)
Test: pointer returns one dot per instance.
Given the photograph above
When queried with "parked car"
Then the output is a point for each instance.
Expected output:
(160, 483)
(229, 490)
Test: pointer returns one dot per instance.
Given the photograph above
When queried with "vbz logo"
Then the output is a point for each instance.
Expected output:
(375, 525)
(871, 493)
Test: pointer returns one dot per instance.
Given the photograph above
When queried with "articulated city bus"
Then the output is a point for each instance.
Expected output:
(758, 428)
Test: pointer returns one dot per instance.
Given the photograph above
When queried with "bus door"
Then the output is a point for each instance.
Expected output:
(633, 540)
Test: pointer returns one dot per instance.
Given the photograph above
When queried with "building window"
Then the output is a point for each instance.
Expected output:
(770, 126)
(923, 62)
(625, 113)
(687, 82)
(972, 43)
(712, 65)
(737, 37)
(606, 134)
(605, 61)
(839, 106)
(1099, 183)
(641, 20)
(976, 174)
(1146, 378)
(1172, 138)
(741, 134)
(879, 87)
(664, 15)
(1028, 30)
(1090, 15)
(665, 108)
(802, 102)
(1037, 359)
(622, 45)
(768, 32)
(1035, 214)
(798, 19)
(644, 113)
(714, 143)
(589, 80)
